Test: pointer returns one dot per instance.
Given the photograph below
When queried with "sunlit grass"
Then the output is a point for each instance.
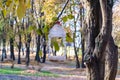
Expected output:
(10, 71)
(17, 71)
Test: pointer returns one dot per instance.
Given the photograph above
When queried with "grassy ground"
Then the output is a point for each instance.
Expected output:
(18, 71)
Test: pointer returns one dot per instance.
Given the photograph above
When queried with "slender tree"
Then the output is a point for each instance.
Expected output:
(82, 34)
(12, 56)
(28, 40)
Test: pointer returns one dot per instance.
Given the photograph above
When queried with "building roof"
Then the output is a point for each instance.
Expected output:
(57, 31)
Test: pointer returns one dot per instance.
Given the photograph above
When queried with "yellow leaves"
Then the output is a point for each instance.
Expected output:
(8, 3)
(4, 12)
(21, 9)
(49, 10)
(7, 8)
(16, 7)
(28, 5)
(16, 2)
(1, 5)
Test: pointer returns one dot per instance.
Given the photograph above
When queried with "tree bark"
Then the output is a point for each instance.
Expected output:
(75, 48)
(44, 53)
(76, 52)
(111, 60)
(37, 58)
(82, 36)
(28, 49)
(99, 40)
(12, 56)
(44, 49)
(4, 55)
(28, 40)
(19, 49)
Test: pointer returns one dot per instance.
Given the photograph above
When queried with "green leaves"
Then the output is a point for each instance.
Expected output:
(39, 31)
(54, 19)
(2, 24)
(31, 28)
(68, 17)
(56, 45)
(69, 38)
(40, 53)
(45, 29)
(65, 19)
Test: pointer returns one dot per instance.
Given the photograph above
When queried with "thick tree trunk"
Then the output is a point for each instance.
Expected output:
(111, 60)
(92, 30)
(111, 51)
(98, 40)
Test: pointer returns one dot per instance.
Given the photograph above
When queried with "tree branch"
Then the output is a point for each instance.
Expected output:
(63, 9)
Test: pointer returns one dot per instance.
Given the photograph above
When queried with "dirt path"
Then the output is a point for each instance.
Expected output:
(66, 70)
(15, 77)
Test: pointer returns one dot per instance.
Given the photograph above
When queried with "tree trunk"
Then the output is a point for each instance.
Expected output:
(28, 40)
(4, 55)
(77, 60)
(82, 36)
(28, 49)
(82, 48)
(44, 53)
(12, 56)
(19, 49)
(76, 53)
(111, 51)
(37, 58)
(111, 60)
(92, 30)
(99, 40)
(44, 49)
